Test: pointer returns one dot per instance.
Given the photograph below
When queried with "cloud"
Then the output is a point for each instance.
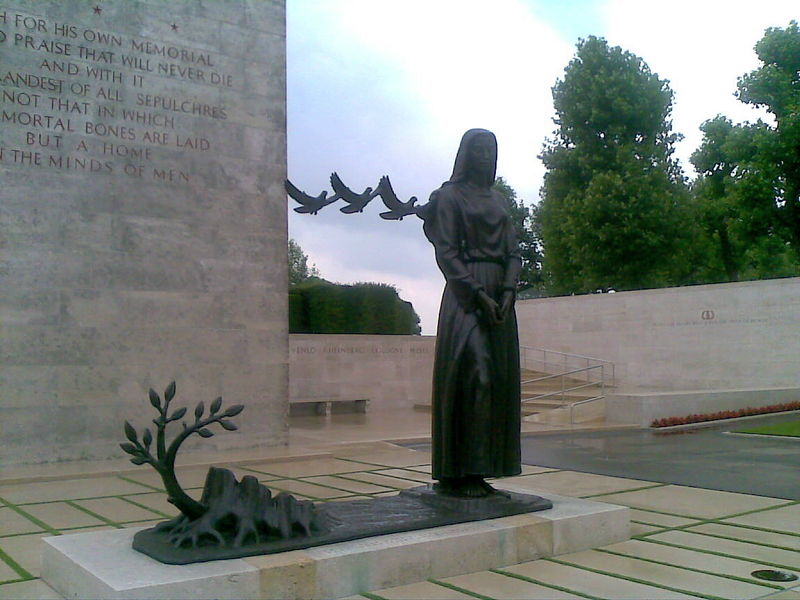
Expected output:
(701, 47)
(388, 87)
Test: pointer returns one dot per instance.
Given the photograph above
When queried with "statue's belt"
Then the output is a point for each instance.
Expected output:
(489, 259)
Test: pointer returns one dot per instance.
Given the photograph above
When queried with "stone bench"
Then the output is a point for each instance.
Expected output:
(325, 406)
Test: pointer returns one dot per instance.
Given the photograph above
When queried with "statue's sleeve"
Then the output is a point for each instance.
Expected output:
(513, 262)
(442, 229)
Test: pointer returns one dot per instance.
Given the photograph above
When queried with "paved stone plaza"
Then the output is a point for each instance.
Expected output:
(686, 541)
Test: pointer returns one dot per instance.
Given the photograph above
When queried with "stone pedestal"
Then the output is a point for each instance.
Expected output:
(103, 564)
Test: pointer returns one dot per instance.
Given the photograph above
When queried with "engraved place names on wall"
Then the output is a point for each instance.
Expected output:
(311, 350)
(79, 98)
(709, 317)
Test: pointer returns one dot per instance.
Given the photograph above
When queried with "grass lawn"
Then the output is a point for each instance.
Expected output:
(790, 429)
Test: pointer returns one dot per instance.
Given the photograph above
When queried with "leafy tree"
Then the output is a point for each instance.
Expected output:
(319, 306)
(748, 188)
(529, 245)
(735, 197)
(299, 270)
(613, 200)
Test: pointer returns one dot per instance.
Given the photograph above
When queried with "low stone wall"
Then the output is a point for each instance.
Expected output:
(733, 336)
(392, 371)
(643, 409)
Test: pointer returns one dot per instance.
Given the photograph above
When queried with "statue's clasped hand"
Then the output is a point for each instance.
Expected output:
(506, 304)
(493, 312)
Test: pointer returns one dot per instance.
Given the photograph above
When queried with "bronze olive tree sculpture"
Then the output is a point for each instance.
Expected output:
(230, 512)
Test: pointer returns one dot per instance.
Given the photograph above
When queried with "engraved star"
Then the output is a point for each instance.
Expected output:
(174, 27)
(97, 10)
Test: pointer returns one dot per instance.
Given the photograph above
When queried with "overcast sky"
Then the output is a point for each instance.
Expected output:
(387, 87)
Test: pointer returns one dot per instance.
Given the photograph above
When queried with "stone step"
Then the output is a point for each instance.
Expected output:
(590, 412)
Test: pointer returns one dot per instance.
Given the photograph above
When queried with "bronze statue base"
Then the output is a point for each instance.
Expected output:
(416, 508)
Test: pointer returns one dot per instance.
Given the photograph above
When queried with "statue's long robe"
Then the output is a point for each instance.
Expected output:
(476, 378)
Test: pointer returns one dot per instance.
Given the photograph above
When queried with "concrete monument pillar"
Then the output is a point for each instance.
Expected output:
(142, 218)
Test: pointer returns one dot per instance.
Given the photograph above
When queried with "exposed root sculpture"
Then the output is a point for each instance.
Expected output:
(230, 512)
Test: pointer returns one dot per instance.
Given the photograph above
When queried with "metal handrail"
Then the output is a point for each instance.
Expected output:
(566, 356)
(574, 404)
(561, 391)
(562, 374)
(602, 366)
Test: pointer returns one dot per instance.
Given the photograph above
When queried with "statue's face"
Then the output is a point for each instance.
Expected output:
(482, 153)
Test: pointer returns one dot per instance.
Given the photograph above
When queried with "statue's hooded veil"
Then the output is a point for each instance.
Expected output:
(461, 167)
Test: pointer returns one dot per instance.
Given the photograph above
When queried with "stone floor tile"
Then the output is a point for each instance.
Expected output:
(147, 477)
(652, 518)
(691, 502)
(787, 558)
(745, 534)
(12, 522)
(308, 490)
(572, 483)
(157, 501)
(595, 585)
(35, 589)
(359, 428)
(681, 557)
(69, 489)
(25, 550)
(188, 477)
(505, 587)
(782, 519)
(425, 590)
(408, 474)
(641, 528)
(784, 595)
(117, 510)
(257, 473)
(396, 457)
(7, 573)
(533, 469)
(61, 515)
(355, 487)
(145, 523)
(428, 468)
(309, 468)
(87, 529)
(687, 581)
(384, 480)
(348, 498)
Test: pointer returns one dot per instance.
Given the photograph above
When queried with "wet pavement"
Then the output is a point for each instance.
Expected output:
(707, 458)
(685, 541)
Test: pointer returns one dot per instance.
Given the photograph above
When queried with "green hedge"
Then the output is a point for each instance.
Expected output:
(319, 306)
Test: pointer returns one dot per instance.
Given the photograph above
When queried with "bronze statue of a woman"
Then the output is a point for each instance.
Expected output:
(476, 378)
(476, 384)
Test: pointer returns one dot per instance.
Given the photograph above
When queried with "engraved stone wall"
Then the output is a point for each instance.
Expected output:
(707, 337)
(391, 371)
(142, 218)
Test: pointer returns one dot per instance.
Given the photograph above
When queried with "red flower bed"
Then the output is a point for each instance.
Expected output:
(725, 414)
